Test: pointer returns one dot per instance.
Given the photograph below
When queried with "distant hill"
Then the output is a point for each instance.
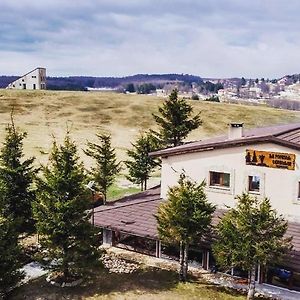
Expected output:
(82, 82)
(6, 80)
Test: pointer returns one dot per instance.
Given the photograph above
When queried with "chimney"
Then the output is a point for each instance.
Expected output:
(235, 131)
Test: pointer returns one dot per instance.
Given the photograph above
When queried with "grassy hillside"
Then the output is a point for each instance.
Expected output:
(44, 114)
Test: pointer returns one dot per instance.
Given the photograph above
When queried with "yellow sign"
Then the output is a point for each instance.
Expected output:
(270, 159)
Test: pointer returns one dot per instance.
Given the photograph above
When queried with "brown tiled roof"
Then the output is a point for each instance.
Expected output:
(136, 215)
(133, 214)
(286, 135)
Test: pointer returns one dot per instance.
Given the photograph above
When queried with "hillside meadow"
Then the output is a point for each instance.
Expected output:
(46, 115)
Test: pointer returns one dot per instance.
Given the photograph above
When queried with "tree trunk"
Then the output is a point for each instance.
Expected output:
(104, 196)
(65, 263)
(185, 261)
(181, 261)
(142, 185)
(145, 185)
(251, 290)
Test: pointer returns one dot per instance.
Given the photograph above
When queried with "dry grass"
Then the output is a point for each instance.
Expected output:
(46, 113)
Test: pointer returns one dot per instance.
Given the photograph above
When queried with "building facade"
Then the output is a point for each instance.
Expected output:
(33, 80)
(264, 162)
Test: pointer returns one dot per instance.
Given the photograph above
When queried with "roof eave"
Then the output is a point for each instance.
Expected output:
(224, 144)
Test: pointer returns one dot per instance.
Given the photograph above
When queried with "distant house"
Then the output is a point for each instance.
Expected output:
(33, 80)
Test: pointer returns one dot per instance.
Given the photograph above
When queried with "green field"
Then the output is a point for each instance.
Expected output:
(44, 114)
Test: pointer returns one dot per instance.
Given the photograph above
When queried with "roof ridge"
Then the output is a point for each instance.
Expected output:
(128, 204)
(19, 77)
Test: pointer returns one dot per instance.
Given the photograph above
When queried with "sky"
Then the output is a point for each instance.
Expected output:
(209, 38)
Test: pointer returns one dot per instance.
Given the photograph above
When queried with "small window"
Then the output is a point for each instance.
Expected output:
(253, 184)
(219, 179)
(298, 190)
(33, 76)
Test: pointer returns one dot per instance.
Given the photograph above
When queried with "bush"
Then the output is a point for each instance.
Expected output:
(213, 98)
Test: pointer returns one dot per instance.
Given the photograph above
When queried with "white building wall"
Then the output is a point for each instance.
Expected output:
(280, 185)
(34, 80)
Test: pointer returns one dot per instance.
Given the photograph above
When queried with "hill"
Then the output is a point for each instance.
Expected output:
(46, 113)
(82, 82)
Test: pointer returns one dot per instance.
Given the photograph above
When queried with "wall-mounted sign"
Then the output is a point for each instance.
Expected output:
(270, 159)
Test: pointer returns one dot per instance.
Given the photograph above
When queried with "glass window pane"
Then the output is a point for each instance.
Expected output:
(254, 183)
(226, 181)
(219, 179)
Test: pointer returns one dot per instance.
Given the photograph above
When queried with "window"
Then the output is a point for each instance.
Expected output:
(298, 190)
(219, 179)
(33, 76)
(253, 184)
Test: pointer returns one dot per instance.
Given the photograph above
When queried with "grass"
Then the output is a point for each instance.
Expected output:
(148, 283)
(117, 192)
(46, 113)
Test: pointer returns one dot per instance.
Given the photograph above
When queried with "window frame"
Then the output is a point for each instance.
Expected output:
(222, 180)
(298, 193)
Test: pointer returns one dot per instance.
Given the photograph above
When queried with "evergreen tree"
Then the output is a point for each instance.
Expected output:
(130, 88)
(16, 177)
(61, 213)
(249, 235)
(10, 264)
(174, 121)
(185, 217)
(243, 81)
(107, 166)
(141, 164)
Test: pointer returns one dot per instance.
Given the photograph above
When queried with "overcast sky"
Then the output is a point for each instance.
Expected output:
(210, 38)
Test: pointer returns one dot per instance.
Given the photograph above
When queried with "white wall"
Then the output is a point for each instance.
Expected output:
(280, 185)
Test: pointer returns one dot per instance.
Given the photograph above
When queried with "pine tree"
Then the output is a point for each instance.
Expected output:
(61, 213)
(10, 264)
(174, 121)
(249, 235)
(141, 164)
(185, 217)
(16, 177)
(107, 166)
